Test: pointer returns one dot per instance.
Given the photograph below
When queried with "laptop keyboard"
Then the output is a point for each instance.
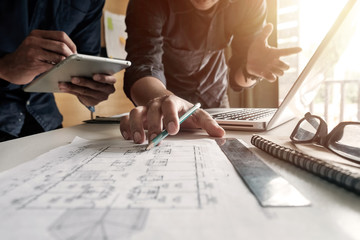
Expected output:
(244, 114)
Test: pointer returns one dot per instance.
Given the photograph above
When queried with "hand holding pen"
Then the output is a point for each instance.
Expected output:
(165, 133)
(164, 113)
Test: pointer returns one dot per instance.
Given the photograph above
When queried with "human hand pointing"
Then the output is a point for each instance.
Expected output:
(264, 60)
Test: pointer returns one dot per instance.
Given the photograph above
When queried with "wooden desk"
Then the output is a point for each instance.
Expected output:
(334, 213)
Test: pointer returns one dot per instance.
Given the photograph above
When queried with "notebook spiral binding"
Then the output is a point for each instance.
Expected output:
(341, 177)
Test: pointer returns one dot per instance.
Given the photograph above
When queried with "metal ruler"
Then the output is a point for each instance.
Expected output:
(270, 189)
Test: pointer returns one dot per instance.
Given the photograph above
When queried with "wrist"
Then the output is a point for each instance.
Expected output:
(251, 77)
(146, 89)
(242, 80)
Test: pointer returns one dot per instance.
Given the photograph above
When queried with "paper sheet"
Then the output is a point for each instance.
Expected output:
(115, 35)
(114, 189)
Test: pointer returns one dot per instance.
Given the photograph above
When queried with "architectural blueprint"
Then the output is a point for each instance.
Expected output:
(106, 189)
(114, 189)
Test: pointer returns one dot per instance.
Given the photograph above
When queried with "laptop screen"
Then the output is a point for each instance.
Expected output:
(324, 59)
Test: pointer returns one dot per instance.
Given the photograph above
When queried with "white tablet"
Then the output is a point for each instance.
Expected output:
(76, 65)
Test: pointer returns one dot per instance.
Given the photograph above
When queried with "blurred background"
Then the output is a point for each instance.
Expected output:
(304, 23)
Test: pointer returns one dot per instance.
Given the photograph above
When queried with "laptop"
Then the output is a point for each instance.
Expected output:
(304, 88)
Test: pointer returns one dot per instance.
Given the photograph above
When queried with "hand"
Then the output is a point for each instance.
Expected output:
(36, 54)
(90, 92)
(263, 60)
(165, 111)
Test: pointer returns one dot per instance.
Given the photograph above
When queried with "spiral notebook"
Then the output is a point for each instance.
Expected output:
(314, 159)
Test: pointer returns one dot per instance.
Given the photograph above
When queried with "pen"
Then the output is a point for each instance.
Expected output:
(92, 110)
(164, 133)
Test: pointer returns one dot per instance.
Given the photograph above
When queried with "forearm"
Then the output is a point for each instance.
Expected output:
(146, 89)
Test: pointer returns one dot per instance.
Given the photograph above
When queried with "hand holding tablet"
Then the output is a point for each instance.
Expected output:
(76, 65)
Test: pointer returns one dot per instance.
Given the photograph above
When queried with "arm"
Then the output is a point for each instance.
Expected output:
(253, 59)
(253, 17)
(144, 45)
(145, 83)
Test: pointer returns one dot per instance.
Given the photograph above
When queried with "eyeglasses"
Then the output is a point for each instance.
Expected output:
(344, 139)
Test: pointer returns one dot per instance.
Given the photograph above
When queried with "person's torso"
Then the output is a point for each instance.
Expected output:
(194, 42)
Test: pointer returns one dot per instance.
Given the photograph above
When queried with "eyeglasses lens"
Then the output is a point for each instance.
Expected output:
(345, 141)
(307, 129)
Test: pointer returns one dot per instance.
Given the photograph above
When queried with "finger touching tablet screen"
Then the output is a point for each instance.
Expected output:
(76, 65)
